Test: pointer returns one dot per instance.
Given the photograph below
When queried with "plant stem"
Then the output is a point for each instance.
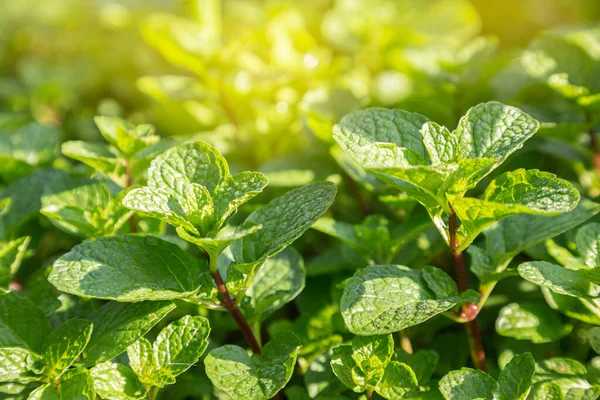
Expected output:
(369, 394)
(152, 392)
(405, 343)
(236, 314)
(469, 310)
(132, 221)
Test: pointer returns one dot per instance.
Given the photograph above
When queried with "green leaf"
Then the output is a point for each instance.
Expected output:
(14, 363)
(181, 343)
(372, 354)
(531, 321)
(64, 345)
(387, 298)
(594, 339)
(277, 282)
(77, 384)
(97, 156)
(235, 191)
(467, 383)
(231, 370)
(117, 325)
(180, 166)
(11, 255)
(516, 192)
(46, 392)
(346, 369)
(422, 362)
(158, 203)
(283, 221)
(516, 378)
(546, 391)
(116, 381)
(177, 348)
(127, 268)
(512, 235)
(86, 211)
(588, 244)
(17, 317)
(559, 280)
(31, 146)
(569, 375)
(397, 381)
(129, 139)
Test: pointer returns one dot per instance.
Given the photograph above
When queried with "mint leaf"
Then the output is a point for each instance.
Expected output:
(467, 383)
(423, 363)
(127, 268)
(231, 370)
(116, 381)
(283, 221)
(77, 384)
(235, 191)
(546, 391)
(278, 281)
(99, 157)
(594, 339)
(143, 362)
(13, 365)
(516, 192)
(128, 138)
(181, 343)
(17, 316)
(46, 392)
(117, 325)
(588, 244)
(86, 211)
(530, 321)
(516, 378)
(568, 374)
(180, 166)
(64, 345)
(367, 365)
(559, 280)
(387, 298)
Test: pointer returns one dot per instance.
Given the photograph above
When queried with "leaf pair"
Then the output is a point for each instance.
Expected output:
(437, 167)
(189, 187)
(231, 370)
(130, 148)
(384, 299)
(514, 383)
(367, 365)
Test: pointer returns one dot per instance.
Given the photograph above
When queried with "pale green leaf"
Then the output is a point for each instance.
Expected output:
(14, 365)
(530, 321)
(546, 391)
(398, 381)
(231, 370)
(516, 378)
(467, 383)
(277, 282)
(559, 279)
(345, 368)
(387, 298)
(116, 382)
(181, 343)
(235, 191)
(97, 156)
(77, 384)
(283, 221)
(64, 345)
(127, 268)
(46, 392)
(371, 355)
(588, 244)
(180, 166)
(117, 325)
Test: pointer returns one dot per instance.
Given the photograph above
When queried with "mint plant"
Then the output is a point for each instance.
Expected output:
(437, 167)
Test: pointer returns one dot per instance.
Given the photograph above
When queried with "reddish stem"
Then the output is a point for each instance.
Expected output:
(236, 314)
(469, 310)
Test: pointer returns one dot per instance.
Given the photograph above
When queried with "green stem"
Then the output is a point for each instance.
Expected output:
(469, 310)
(369, 394)
(152, 393)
